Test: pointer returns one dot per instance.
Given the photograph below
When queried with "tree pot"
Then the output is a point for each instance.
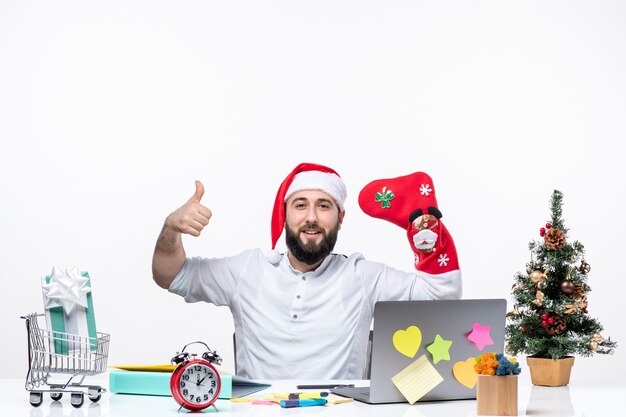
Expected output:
(550, 372)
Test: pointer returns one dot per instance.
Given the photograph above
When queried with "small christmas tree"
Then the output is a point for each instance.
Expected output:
(550, 317)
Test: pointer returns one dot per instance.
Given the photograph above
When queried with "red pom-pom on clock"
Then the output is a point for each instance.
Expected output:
(195, 383)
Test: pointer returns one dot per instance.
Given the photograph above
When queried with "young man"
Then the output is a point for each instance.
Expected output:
(305, 314)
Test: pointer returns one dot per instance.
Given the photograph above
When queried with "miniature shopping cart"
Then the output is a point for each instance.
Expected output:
(51, 352)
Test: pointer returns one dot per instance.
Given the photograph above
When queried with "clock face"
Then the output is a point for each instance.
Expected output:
(198, 384)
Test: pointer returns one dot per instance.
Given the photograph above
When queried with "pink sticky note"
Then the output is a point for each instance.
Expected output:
(264, 402)
(480, 336)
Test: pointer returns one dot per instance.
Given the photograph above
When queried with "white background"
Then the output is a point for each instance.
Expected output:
(110, 110)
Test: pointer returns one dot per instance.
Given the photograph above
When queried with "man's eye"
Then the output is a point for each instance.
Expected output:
(325, 206)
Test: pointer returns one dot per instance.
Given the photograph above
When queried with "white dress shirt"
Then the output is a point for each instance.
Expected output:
(294, 325)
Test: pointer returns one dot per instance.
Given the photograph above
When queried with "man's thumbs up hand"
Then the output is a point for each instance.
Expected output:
(199, 192)
(192, 216)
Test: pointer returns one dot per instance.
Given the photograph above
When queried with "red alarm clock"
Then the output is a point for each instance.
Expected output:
(195, 383)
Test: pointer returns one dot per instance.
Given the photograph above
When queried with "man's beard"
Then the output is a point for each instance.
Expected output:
(311, 253)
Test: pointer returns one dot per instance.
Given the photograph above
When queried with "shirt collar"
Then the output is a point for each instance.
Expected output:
(285, 264)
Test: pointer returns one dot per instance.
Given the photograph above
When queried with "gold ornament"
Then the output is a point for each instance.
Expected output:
(538, 298)
(567, 286)
(585, 268)
(539, 277)
(595, 341)
(554, 239)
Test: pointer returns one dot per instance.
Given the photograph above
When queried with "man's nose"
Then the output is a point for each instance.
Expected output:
(311, 215)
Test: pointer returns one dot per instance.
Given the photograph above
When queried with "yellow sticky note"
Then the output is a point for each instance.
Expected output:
(252, 399)
(146, 368)
(333, 399)
(417, 379)
(407, 341)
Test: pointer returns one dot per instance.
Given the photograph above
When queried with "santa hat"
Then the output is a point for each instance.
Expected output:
(400, 200)
(305, 176)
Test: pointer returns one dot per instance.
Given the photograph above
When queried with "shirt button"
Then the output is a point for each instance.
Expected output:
(298, 296)
(303, 277)
(295, 316)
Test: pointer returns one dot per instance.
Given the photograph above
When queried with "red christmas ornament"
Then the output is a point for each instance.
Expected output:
(548, 225)
(544, 323)
(550, 320)
(544, 316)
(542, 231)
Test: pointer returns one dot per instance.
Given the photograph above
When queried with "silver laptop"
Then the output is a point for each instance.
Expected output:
(452, 320)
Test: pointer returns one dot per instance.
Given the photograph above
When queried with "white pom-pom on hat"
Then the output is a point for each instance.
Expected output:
(273, 256)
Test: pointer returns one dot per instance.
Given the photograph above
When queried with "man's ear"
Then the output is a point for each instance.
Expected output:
(341, 214)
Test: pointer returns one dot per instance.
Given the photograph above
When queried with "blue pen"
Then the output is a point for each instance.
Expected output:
(307, 402)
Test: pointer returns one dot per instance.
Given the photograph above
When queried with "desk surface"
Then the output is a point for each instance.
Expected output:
(575, 400)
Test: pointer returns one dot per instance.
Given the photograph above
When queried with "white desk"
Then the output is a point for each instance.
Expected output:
(576, 400)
